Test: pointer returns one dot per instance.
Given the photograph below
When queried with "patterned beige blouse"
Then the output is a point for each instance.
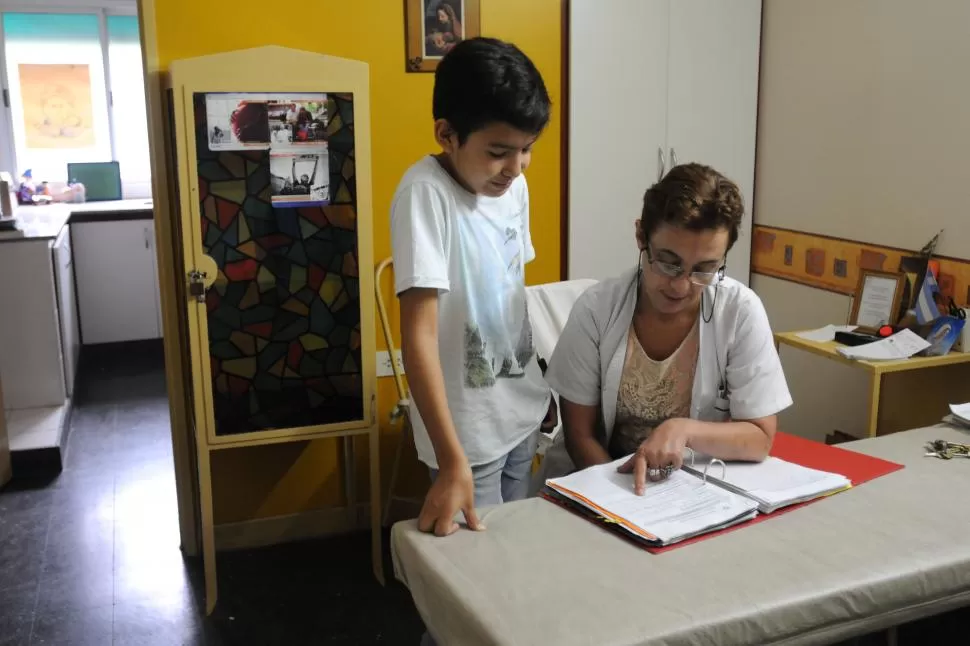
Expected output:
(652, 391)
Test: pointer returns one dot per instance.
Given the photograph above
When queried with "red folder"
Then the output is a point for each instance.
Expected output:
(858, 468)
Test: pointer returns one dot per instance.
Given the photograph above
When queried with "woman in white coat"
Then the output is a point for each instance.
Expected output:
(673, 354)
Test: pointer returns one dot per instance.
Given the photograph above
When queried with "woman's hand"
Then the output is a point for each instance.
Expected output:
(663, 449)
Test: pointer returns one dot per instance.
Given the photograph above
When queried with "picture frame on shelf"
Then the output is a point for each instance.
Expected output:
(434, 27)
(877, 300)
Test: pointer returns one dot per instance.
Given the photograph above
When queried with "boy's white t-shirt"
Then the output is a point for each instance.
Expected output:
(473, 250)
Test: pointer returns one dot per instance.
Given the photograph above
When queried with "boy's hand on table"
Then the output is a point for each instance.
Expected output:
(452, 490)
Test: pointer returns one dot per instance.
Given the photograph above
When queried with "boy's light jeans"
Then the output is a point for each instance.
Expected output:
(504, 480)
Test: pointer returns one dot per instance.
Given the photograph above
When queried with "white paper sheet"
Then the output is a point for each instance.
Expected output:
(681, 505)
(826, 333)
(775, 482)
(876, 304)
(901, 345)
(961, 412)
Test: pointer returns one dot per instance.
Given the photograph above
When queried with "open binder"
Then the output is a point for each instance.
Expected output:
(704, 499)
(679, 507)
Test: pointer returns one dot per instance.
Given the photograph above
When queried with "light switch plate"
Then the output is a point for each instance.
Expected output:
(384, 368)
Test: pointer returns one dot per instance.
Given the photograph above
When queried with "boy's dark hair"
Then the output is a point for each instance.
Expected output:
(484, 80)
(695, 197)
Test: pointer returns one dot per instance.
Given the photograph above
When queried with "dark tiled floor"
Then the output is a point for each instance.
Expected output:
(92, 556)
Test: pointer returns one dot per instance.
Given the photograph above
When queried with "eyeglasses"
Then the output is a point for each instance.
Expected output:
(701, 278)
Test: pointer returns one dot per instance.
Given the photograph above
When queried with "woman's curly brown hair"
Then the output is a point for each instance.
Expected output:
(695, 197)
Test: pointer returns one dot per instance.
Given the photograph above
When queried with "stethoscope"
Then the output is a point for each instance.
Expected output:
(723, 403)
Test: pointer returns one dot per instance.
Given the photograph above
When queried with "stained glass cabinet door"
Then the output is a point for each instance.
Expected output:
(274, 189)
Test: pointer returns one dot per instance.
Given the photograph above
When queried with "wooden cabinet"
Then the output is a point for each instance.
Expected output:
(654, 83)
(117, 281)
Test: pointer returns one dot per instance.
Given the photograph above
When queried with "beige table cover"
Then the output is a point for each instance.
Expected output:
(888, 551)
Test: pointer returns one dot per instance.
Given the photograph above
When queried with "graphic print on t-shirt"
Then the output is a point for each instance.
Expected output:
(498, 332)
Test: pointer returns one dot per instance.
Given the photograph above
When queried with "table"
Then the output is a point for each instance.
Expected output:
(914, 402)
(886, 552)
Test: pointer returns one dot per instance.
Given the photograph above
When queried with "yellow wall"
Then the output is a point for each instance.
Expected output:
(275, 480)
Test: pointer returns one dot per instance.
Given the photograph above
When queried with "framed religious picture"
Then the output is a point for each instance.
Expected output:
(877, 298)
(433, 27)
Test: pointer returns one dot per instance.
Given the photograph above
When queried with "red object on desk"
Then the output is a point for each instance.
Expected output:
(857, 467)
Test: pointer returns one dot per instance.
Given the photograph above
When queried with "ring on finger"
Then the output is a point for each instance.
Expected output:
(653, 473)
(667, 470)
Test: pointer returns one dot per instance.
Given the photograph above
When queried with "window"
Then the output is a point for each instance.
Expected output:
(75, 93)
(130, 118)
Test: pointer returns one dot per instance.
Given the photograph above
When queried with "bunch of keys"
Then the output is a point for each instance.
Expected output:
(947, 450)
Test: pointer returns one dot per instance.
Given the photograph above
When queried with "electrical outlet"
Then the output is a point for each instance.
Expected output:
(384, 367)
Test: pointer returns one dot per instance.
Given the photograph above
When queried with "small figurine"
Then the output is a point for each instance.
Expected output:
(26, 190)
(29, 193)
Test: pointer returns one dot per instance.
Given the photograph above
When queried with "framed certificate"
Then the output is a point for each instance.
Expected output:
(877, 299)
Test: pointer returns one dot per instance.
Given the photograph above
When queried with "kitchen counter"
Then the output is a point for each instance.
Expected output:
(45, 222)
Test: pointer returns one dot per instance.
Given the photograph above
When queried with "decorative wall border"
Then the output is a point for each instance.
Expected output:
(833, 264)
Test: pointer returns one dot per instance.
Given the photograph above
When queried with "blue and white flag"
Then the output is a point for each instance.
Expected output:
(926, 309)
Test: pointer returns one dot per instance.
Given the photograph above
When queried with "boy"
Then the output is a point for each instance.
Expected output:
(460, 240)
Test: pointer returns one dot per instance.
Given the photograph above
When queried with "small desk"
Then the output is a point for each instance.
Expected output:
(884, 553)
(934, 400)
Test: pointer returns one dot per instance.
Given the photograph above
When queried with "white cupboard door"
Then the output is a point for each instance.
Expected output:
(117, 290)
(712, 96)
(617, 114)
(67, 307)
